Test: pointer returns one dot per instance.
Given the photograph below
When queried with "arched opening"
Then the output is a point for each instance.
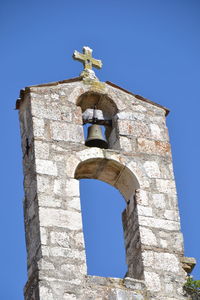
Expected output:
(120, 177)
(109, 171)
(104, 109)
(102, 206)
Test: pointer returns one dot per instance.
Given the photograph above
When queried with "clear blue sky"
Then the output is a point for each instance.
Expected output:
(148, 47)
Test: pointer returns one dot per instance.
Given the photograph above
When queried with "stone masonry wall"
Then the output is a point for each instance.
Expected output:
(53, 150)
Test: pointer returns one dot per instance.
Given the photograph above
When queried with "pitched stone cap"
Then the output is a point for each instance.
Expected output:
(27, 89)
(139, 97)
(56, 83)
(188, 263)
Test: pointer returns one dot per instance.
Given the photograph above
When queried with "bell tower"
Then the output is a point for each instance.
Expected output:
(134, 156)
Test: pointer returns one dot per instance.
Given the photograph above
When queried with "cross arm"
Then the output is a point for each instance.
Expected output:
(96, 63)
(78, 56)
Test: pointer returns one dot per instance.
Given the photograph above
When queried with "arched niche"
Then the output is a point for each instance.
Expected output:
(111, 172)
(107, 110)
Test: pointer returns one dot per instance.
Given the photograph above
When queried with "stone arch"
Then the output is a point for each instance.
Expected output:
(90, 99)
(109, 171)
(122, 178)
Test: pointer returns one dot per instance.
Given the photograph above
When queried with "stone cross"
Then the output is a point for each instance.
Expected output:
(87, 59)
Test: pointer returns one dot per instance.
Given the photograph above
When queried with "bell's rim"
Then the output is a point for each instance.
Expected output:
(99, 143)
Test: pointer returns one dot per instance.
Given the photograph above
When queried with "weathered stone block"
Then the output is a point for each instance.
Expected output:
(60, 239)
(152, 169)
(163, 243)
(159, 200)
(161, 261)
(142, 197)
(44, 184)
(158, 223)
(90, 153)
(166, 186)
(45, 265)
(67, 132)
(38, 127)
(157, 132)
(46, 167)
(144, 211)
(171, 215)
(76, 269)
(133, 128)
(74, 203)
(166, 170)
(139, 108)
(63, 252)
(43, 235)
(45, 293)
(71, 164)
(51, 217)
(72, 188)
(147, 237)
(48, 201)
(58, 187)
(153, 147)
(44, 111)
(69, 297)
(152, 280)
(125, 144)
(41, 150)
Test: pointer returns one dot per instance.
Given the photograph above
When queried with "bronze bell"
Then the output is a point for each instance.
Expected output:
(95, 137)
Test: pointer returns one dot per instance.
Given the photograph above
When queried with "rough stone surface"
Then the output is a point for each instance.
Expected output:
(60, 218)
(137, 162)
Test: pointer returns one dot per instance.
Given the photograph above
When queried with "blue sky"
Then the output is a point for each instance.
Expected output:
(148, 47)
